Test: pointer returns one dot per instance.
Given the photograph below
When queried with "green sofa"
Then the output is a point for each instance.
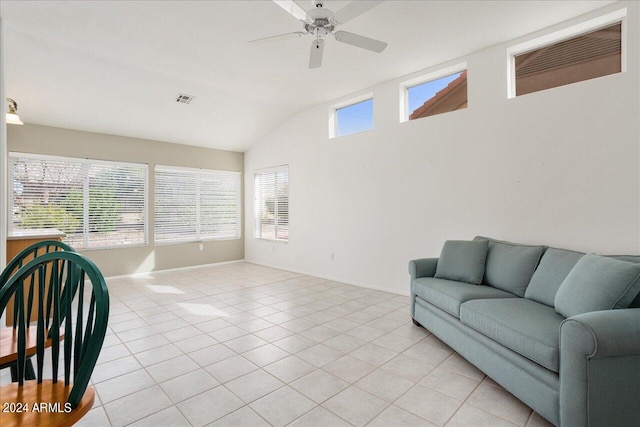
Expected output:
(558, 329)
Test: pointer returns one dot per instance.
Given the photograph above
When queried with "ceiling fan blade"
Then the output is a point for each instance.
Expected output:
(315, 56)
(360, 41)
(353, 10)
(294, 10)
(286, 36)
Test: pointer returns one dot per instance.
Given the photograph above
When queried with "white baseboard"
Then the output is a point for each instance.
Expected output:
(333, 279)
(169, 270)
(306, 273)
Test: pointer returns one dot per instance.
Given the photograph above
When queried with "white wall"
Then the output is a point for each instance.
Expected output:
(558, 167)
(3, 157)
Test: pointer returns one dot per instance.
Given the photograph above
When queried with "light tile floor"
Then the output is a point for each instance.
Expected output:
(246, 345)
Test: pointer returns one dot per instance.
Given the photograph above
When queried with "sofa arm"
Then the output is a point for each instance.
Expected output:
(600, 369)
(424, 267)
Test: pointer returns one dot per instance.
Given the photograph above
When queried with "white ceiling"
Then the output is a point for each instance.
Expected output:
(116, 66)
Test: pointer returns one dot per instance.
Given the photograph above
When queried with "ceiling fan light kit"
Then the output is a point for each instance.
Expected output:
(12, 117)
(320, 22)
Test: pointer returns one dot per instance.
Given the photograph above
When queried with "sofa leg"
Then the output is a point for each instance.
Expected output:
(415, 322)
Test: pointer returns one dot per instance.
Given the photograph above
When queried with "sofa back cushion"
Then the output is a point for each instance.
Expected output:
(554, 267)
(628, 258)
(463, 261)
(631, 258)
(598, 283)
(510, 265)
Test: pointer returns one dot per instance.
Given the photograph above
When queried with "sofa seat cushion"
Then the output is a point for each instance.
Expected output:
(448, 294)
(524, 326)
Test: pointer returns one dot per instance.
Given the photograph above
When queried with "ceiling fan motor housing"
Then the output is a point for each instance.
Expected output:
(321, 21)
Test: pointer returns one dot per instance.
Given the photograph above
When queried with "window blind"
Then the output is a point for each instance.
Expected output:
(196, 204)
(271, 204)
(98, 204)
(586, 56)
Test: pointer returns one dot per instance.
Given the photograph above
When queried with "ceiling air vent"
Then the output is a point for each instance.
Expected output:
(184, 99)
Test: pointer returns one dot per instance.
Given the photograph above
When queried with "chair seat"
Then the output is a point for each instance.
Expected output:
(42, 404)
(9, 344)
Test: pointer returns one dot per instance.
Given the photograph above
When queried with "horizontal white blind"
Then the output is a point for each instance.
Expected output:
(196, 204)
(98, 204)
(271, 204)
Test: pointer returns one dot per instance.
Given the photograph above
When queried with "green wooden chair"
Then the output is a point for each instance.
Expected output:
(79, 305)
(7, 337)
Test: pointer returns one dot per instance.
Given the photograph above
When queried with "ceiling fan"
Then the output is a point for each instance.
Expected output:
(320, 22)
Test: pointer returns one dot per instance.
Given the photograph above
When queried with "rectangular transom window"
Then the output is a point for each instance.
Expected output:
(98, 204)
(440, 92)
(353, 116)
(584, 52)
(438, 96)
(271, 204)
(196, 204)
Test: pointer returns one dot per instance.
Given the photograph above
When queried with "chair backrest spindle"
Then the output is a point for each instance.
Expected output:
(19, 310)
(40, 346)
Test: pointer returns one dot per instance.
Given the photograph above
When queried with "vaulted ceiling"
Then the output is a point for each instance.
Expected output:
(116, 66)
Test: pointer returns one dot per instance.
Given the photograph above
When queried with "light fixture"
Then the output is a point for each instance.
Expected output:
(12, 114)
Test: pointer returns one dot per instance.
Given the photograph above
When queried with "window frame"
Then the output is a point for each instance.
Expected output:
(86, 164)
(405, 85)
(564, 34)
(199, 173)
(264, 171)
(333, 114)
